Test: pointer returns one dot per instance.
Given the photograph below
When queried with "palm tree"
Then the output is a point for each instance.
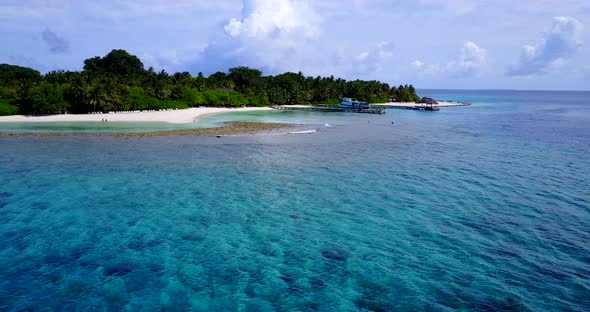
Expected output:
(96, 96)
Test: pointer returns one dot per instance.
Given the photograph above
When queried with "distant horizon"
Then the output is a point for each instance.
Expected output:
(520, 90)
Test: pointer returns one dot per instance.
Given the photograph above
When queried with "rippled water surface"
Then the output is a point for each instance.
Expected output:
(482, 208)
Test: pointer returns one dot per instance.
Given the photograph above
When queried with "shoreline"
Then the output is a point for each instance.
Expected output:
(180, 116)
(230, 128)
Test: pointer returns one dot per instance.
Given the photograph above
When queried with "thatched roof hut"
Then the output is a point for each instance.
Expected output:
(427, 100)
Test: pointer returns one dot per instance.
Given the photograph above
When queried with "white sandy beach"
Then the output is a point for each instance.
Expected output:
(173, 116)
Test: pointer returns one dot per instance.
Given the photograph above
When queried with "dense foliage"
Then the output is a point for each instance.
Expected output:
(119, 82)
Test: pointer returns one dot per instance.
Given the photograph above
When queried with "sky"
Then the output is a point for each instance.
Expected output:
(455, 44)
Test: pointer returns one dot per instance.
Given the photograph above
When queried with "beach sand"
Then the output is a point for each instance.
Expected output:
(173, 116)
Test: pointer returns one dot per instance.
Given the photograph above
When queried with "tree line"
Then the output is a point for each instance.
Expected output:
(119, 82)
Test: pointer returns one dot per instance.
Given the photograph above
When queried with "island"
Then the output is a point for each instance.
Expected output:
(119, 82)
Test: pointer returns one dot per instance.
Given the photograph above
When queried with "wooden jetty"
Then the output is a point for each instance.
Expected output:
(378, 108)
(420, 106)
(329, 109)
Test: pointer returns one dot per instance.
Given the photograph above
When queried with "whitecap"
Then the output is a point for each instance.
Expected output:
(303, 132)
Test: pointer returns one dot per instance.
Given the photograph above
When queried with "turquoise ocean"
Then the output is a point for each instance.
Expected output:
(481, 208)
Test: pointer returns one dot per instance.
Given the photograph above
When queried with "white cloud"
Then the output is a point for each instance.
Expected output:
(171, 60)
(426, 69)
(269, 18)
(377, 7)
(417, 64)
(273, 35)
(470, 60)
(468, 63)
(166, 60)
(560, 43)
(457, 7)
(366, 62)
(122, 11)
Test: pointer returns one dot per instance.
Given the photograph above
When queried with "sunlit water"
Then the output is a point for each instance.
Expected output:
(482, 208)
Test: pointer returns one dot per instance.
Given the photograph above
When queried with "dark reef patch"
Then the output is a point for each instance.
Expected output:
(335, 254)
(118, 269)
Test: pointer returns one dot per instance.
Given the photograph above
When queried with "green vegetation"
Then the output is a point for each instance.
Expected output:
(6, 108)
(119, 82)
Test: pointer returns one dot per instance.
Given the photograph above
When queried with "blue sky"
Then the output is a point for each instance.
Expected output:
(470, 44)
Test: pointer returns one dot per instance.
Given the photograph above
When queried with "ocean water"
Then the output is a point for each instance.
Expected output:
(482, 208)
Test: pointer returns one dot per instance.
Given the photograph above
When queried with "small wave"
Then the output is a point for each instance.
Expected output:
(328, 125)
(303, 132)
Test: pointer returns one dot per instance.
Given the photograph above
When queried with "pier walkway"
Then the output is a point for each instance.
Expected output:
(329, 109)
(378, 108)
(417, 106)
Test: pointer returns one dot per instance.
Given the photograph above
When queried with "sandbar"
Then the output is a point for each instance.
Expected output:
(178, 116)
(230, 128)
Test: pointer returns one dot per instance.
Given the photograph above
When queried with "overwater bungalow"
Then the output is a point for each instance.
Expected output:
(426, 103)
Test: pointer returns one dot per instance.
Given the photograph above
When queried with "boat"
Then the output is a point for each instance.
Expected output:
(350, 103)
